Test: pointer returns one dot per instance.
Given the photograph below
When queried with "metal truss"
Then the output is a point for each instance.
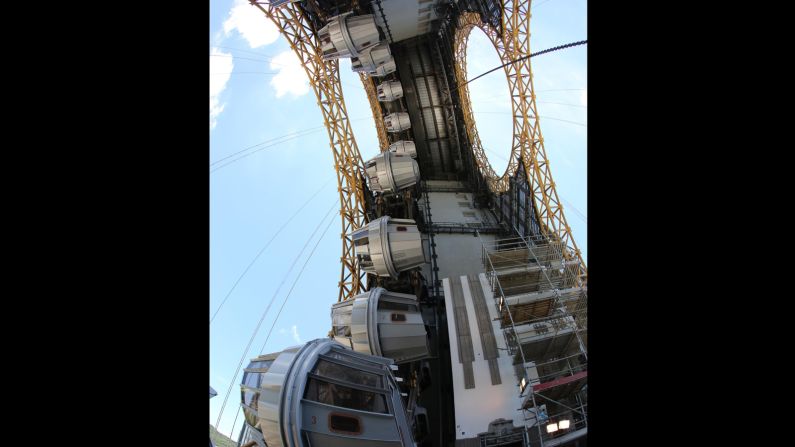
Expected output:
(511, 44)
(378, 114)
(325, 81)
(466, 22)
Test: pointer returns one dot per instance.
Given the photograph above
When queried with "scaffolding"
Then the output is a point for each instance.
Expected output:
(541, 295)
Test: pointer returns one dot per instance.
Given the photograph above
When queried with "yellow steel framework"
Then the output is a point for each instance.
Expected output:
(512, 44)
(378, 114)
(325, 81)
(528, 143)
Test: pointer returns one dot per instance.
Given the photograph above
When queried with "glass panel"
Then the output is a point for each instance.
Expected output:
(260, 364)
(347, 374)
(251, 417)
(342, 356)
(365, 261)
(341, 316)
(249, 434)
(342, 396)
(388, 305)
(250, 398)
(345, 424)
(252, 379)
(342, 331)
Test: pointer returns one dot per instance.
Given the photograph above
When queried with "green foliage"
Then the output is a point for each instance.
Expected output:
(220, 439)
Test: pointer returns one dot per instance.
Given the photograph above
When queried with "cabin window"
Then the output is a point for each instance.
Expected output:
(343, 423)
(343, 396)
(251, 416)
(398, 317)
(365, 261)
(342, 331)
(257, 364)
(250, 406)
(252, 380)
(389, 305)
(250, 398)
(346, 374)
(340, 320)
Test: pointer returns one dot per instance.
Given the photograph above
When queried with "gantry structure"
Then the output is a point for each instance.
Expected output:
(490, 259)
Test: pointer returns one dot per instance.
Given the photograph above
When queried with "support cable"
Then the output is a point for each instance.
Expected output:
(539, 116)
(285, 139)
(294, 283)
(581, 215)
(284, 225)
(232, 431)
(538, 53)
(274, 142)
(262, 318)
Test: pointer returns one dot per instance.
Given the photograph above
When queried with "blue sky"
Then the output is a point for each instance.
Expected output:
(260, 98)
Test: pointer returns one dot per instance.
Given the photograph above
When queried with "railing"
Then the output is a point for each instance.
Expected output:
(542, 273)
(493, 281)
(531, 268)
(557, 368)
(577, 418)
(467, 227)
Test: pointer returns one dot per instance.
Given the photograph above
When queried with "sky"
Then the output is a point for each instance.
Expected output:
(273, 197)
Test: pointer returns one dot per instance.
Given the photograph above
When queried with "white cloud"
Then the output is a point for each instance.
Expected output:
(220, 70)
(291, 77)
(218, 38)
(296, 336)
(584, 97)
(252, 24)
(283, 331)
